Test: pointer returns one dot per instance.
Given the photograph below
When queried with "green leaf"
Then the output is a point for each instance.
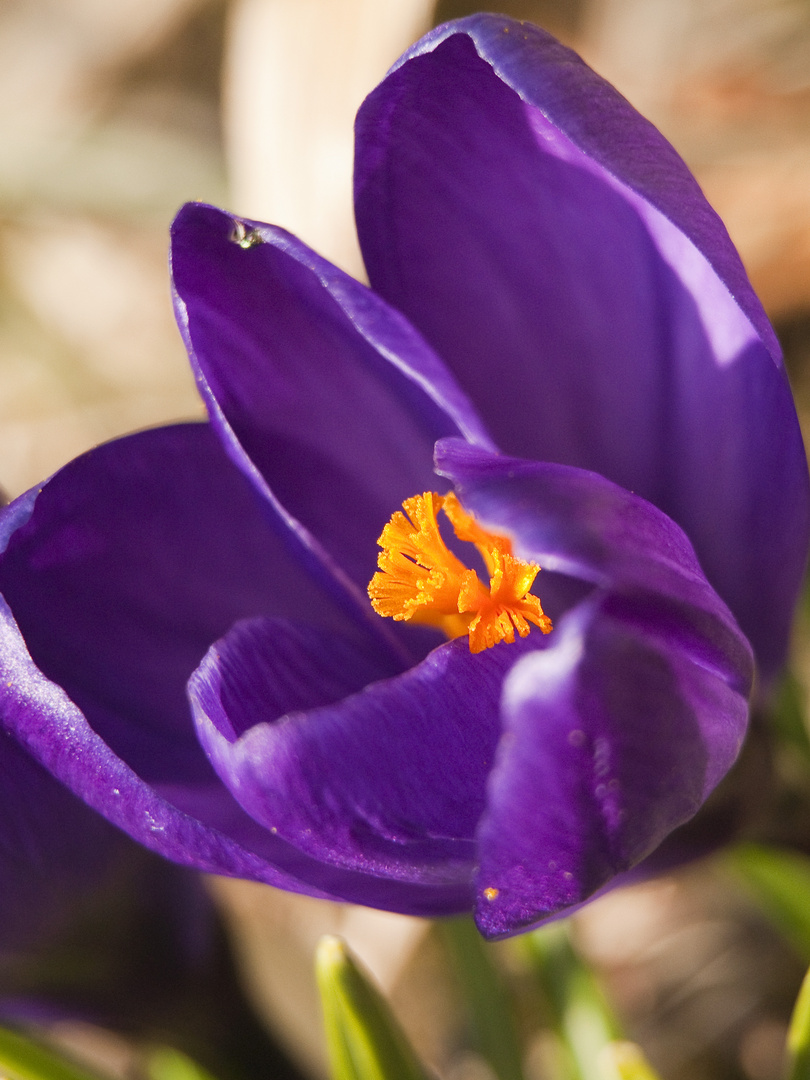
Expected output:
(364, 1040)
(787, 717)
(486, 998)
(798, 1040)
(780, 881)
(578, 1011)
(625, 1061)
(165, 1063)
(23, 1059)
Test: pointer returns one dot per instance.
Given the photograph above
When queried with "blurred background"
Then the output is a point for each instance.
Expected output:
(112, 115)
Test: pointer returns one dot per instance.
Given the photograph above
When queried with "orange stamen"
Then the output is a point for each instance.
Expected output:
(421, 580)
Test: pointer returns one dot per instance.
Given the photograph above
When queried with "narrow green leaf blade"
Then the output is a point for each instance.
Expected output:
(166, 1063)
(23, 1059)
(788, 720)
(798, 1040)
(364, 1039)
(780, 881)
(488, 1004)
(578, 1012)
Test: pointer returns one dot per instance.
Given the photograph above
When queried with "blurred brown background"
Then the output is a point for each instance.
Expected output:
(114, 113)
(111, 115)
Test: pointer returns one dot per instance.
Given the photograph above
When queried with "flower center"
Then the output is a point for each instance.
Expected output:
(421, 580)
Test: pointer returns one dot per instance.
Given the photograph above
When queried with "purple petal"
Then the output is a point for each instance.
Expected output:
(617, 731)
(389, 781)
(53, 850)
(611, 739)
(136, 557)
(556, 252)
(578, 523)
(120, 573)
(325, 397)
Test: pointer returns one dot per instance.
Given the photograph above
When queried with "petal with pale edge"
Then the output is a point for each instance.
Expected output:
(612, 738)
(556, 252)
(650, 672)
(389, 781)
(117, 576)
(323, 395)
(53, 850)
(615, 734)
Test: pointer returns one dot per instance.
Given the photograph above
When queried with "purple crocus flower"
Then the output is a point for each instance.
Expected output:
(560, 332)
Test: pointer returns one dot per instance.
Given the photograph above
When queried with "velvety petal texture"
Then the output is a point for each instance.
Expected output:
(316, 776)
(45, 871)
(560, 332)
(618, 732)
(120, 572)
(325, 397)
(586, 750)
(610, 742)
(556, 252)
(350, 782)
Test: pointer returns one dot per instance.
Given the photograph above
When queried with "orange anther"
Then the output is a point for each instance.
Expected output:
(421, 580)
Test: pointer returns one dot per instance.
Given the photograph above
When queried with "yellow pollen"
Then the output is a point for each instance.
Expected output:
(422, 581)
(491, 894)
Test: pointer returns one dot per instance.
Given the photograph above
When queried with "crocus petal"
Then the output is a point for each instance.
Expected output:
(579, 523)
(389, 781)
(134, 558)
(119, 573)
(614, 734)
(612, 738)
(325, 397)
(53, 850)
(556, 252)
